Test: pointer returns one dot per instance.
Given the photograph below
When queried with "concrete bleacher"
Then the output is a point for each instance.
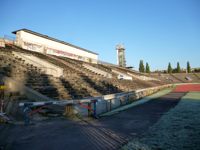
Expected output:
(187, 77)
(197, 76)
(83, 88)
(27, 74)
(76, 73)
(98, 71)
(177, 77)
(45, 66)
(78, 80)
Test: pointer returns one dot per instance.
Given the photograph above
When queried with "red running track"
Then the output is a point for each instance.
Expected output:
(187, 88)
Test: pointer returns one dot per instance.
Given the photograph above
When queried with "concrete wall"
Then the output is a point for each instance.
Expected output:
(109, 102)
(36, 43)
(45, 66)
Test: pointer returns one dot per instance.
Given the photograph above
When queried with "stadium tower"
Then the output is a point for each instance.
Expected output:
(121, 61)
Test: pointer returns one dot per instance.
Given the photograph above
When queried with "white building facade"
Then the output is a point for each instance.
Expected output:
(37, 42)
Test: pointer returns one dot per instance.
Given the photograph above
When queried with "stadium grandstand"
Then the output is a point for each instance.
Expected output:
(36, 67)
(37, 42)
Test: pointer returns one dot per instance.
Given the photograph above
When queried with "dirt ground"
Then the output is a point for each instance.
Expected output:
(105, 133)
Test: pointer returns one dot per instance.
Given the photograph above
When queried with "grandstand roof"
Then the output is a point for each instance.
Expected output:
(53, 39)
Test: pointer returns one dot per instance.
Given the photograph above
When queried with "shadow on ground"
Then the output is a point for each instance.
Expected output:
(105, 133)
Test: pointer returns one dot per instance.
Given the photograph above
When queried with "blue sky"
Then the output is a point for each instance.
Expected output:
(156, 31)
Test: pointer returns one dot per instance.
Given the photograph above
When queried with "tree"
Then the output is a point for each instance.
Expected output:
(141, 66)
(147, 68)
(169, 69)
(178, 68)
(188, 67)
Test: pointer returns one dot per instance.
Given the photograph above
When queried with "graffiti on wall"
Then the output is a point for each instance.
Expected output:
(51, 51)
(61, 53)
(33, 47)
(67, 54)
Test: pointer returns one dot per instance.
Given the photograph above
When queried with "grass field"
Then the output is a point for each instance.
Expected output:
(178, 129)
